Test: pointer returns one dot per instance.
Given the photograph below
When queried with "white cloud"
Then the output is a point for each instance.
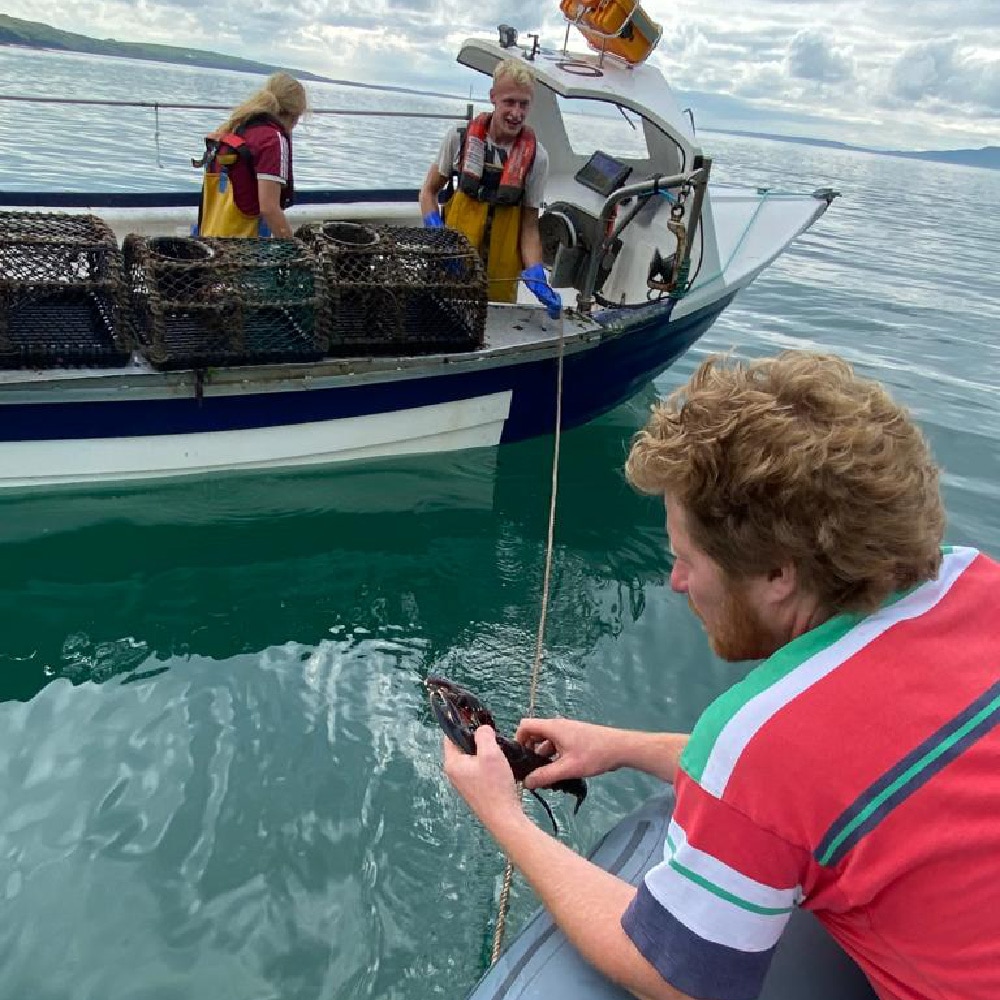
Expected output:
(920, 71)
(811, 56)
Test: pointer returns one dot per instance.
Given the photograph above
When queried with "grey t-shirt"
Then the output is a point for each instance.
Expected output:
(448, 162)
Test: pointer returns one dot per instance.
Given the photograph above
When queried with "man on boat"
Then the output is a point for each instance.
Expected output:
(248, 180)
(856, 771)
(500, 170)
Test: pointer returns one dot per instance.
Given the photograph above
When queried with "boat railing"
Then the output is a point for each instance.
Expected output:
(684, 225)
(157, 106)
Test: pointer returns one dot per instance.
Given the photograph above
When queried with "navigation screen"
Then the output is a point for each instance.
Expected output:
(603, 173)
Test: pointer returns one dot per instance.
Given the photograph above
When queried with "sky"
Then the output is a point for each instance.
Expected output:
(888, 74)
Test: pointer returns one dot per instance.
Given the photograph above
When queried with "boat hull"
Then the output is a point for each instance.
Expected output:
(96, 431)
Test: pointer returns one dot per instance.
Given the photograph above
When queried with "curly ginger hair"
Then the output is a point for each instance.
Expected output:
(797, 459)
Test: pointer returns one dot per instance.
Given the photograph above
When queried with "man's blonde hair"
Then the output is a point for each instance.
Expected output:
(797, 459)
(514, 71)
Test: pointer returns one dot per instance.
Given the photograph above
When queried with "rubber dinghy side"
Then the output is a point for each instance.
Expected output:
(541, 964)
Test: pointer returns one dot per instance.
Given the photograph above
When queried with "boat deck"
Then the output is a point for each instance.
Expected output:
(510, 329)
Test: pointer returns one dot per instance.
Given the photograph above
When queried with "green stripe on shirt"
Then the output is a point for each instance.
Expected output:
(718, 715)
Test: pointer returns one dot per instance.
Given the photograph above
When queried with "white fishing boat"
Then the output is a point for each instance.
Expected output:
(645, 250)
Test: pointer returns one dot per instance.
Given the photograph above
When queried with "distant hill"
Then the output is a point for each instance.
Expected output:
(35, 35)
(987, 156)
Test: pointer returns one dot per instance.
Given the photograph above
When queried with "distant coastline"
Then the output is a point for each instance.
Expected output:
(35, 35)
(987, 156)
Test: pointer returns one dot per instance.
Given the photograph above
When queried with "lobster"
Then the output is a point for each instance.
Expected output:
(460, 713)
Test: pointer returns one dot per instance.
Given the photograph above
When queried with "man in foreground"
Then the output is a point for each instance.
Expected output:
(856, 771)
(500, 170)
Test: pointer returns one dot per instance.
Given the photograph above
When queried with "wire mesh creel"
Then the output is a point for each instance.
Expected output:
(61, 292)
(398, 290)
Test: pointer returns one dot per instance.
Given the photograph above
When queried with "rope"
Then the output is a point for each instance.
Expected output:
(508, 875)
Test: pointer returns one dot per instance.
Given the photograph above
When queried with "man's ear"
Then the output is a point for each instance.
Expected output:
(781, 582)
(492, 98)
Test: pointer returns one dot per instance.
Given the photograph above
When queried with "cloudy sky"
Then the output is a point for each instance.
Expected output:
(883, 73)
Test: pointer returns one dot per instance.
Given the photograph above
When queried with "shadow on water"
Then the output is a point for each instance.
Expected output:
(96, 584)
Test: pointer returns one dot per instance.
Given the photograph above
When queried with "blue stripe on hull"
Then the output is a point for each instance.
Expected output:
(595, 380)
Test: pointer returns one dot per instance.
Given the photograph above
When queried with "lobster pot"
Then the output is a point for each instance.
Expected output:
(619, 27)
(60, 292)
(197, 303)
(399, 291)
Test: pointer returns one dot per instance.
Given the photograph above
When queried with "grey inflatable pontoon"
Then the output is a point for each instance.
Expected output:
(542, 965)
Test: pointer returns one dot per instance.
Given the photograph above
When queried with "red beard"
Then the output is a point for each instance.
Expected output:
(738, 633)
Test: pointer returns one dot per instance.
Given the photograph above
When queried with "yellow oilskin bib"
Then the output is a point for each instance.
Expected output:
(220, 215)
(503, 265)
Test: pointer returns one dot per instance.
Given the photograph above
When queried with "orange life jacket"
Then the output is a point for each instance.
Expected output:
(477, 182)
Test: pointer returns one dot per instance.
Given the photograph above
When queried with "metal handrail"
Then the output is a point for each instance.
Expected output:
(654, 185)
(162, 106)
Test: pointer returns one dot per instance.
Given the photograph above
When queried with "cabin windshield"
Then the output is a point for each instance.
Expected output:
(592, 125)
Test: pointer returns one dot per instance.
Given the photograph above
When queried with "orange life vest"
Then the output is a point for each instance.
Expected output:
(474, 179)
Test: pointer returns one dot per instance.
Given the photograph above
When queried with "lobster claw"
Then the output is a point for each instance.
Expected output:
(458, 712)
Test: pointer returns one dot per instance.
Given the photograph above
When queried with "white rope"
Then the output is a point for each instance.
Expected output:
(504, 900)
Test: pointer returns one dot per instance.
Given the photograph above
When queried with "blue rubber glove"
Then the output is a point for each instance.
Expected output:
(534, 278)
(433, 220)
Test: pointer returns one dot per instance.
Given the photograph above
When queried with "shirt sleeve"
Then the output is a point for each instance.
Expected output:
(534, 183)
(447, 159)
(271, 156)
(708, 917)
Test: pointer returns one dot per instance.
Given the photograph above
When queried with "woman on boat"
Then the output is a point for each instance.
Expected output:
(248, 164)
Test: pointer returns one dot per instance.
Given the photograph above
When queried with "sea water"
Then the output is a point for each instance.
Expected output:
(218, 775)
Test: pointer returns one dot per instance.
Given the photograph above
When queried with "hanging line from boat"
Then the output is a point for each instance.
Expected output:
(503, 902)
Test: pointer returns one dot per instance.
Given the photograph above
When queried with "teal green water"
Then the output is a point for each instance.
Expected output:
(218, 775)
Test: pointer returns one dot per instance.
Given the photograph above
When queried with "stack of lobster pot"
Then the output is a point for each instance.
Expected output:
(196, 303)
(60, 292)
(398, 291)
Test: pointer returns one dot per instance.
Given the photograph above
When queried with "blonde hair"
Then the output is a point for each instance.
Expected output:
(796, 458)
(281, 97)
(514, 71)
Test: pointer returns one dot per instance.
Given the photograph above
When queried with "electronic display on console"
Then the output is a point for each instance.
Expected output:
(603, 173)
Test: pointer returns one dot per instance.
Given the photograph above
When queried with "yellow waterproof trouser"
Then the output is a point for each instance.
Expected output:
(503, 266)
(220, 215)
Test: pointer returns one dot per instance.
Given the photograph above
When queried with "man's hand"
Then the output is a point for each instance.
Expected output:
(433, 220)
(581, 749)
(584, 750)
(534, 278)
(484, 780)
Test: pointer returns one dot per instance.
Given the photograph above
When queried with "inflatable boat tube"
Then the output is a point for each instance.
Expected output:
(541, 964)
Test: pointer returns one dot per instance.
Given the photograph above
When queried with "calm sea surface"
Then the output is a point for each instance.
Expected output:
(218, 778)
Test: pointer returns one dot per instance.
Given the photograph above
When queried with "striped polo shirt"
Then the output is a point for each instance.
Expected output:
(856, 773)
